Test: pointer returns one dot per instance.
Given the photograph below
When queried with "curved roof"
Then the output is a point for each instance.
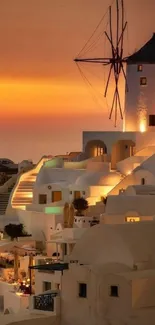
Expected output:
(51, 175)
(98, 178)
(145, 55)
(124, 244)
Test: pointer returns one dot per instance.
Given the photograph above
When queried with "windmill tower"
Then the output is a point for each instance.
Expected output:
(140, 100)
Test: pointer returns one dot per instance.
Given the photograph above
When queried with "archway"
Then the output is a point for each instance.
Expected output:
(121, 150)
(95, 148)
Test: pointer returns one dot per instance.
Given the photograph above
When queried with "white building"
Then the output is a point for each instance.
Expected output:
(112, 281)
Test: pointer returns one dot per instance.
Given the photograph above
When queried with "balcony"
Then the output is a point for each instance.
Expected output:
(44, 302)
(47, 302)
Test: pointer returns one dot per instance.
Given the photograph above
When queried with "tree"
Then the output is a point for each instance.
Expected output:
(15, 231)
(3, 178)
(80, 205)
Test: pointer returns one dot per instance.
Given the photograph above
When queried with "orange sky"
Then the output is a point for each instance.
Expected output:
(44, 102)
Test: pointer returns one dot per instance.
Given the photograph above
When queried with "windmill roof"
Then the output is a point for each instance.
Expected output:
(146, 54)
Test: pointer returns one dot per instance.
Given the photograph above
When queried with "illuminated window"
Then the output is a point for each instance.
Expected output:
(98, 151)
(42, 198)
(151, 120)
(132, 219)
(56, 196)
(77, 194)
(139, 67)
(143, 81)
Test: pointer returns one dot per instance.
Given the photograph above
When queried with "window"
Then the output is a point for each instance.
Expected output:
(55, 254)
(132, 219)
(98, 151)
(114, 291)
(83, 192)
(77, 194)
(57, 286)
(143, 81)
(139, 68)
(70, 192)
(56, 196)
(42, 198)
(82, 290)
(64, 248)
(151, 120)
(126, 146)
(143, 181)
(46, 286)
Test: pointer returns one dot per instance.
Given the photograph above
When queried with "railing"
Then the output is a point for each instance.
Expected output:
(44, 302)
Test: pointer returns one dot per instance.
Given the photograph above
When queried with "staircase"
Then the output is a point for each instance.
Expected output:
(23, 194)
(4, 199)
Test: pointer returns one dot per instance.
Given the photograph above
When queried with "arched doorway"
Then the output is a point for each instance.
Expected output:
(95, 148)
(121, 150)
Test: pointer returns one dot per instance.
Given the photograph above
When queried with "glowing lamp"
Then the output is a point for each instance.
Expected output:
(142, 126)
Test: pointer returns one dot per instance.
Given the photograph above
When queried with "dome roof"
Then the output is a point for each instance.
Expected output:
(98, 179)
(123, 243)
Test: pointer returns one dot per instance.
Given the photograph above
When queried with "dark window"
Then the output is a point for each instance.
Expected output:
(139, 67)
(151, 120)
(143, 181)
(143, 81)
(114, 291)
(42, 198)
(70, 192)
(126, 147)
(46, 286)
(83, 192)
(64, 249)
(82, 290)
(55, 254)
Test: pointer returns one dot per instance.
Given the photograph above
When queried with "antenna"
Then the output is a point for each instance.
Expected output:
(116, 60)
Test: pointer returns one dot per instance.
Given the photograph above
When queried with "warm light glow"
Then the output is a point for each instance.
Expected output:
(129, 172)
(142, 126)
(132, 219)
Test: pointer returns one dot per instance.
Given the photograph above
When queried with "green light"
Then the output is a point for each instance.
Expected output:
(54, 163)
(53, 210)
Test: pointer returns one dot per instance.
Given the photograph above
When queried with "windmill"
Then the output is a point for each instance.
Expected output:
(115, 62)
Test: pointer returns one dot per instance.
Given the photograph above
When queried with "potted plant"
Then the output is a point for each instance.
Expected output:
(80, 205)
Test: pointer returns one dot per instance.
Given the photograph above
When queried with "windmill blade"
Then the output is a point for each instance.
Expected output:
(111, 43)
(120, 108)
(116, 107)
(108, 80)
(94, 60)
(122, 34)
(116, 42)
(112, 107)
